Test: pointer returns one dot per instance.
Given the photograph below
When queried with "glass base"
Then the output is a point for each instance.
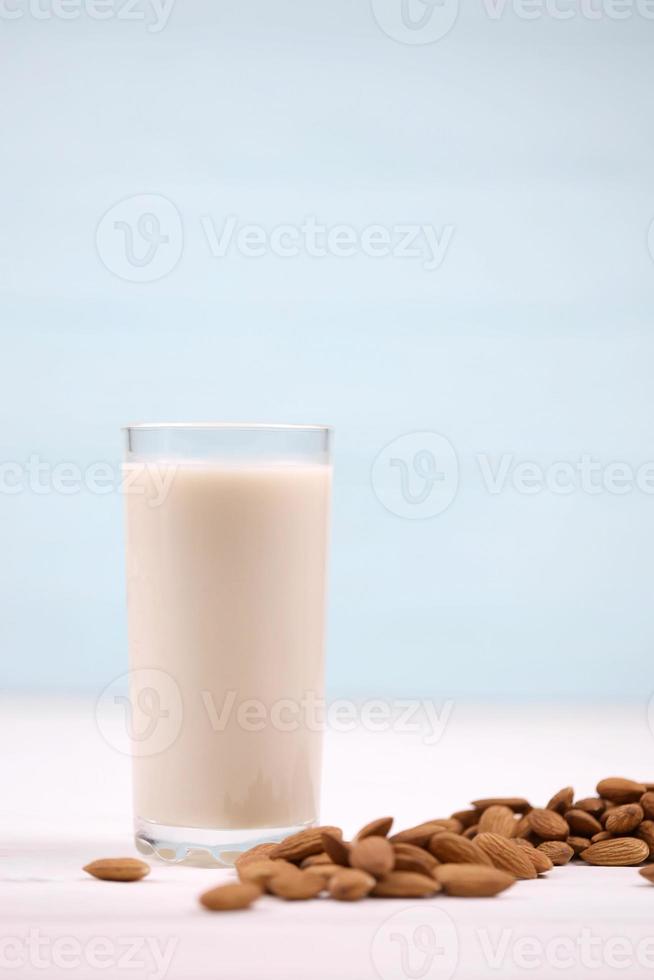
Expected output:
(201, 848)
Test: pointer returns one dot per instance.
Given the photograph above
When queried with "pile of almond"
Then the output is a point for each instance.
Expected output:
(478, 852)
(474, 853)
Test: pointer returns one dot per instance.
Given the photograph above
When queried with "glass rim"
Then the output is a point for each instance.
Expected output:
(240, 426)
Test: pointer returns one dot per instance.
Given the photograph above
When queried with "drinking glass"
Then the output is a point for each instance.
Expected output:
(227, 539)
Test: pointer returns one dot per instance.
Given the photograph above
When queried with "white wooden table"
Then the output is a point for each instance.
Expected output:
(66, 800)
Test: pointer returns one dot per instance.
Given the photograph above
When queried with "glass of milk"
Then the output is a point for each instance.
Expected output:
(227, 541)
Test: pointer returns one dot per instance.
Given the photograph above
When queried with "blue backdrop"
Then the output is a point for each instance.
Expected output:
(170, 192)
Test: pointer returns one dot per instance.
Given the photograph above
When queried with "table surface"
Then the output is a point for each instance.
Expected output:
(67, 801)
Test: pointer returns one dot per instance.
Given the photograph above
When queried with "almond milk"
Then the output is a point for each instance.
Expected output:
(226, 583)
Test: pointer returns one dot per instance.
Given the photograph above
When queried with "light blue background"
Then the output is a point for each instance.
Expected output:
(533, 138)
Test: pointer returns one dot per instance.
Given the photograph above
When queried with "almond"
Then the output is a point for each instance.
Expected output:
(562, 800)
(254, 854)
(376, 828)
(523, 828)
(350, 884)
(315, 860)
(408, 857)
(582, 823)
(646, 832)
(302, 845)
(118, 869)
(497, 819)
(472, 880)
(326, 871)
(558, 852)
(540, 860)
(617, 852)
(455, 849)
(466, 817)
(297, 886)
(591, 804)
(548, 824)
(623, 819)
(405, 884)
(647, 872)
(418, 835)
(603, 835)
(620, 790)
(578, 844)
(523, 842)
(506, 855)
(647, 803)
(336, 848)
(450, 824)
(260, 872)
(471, 832)
(515, 803)
(227, 898)
(374, 855)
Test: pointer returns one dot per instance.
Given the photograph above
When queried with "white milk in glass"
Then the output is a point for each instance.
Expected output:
(226, 567)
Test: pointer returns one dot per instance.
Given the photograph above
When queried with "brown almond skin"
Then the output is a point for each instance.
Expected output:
(562, 800)
(647, 803)
(376, 828)
(405, 884)
(408, 857)
(506, 855)
(374, 855)
(540, 860)
(314, 860)
(603, 835)
(582, 823)
(648, 873)
(617, 852)
(515, 803)
(523, 828)
(254, 854)
(557, 851)
(578, 844)
(455, 849)
(297, 886)
(418, 835)
(591, 804)
(262, 872)
(326, 871)
(336, 848)
(350, 885)
(646, 832)
(471, 832)
(467, 818)
(302, 845)
(258, 872)
(548, 825)
(231, 897)
(472, 880)
(451, 824)
(497, 819)
(620, 790)
(623, 819)
(118, 869)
